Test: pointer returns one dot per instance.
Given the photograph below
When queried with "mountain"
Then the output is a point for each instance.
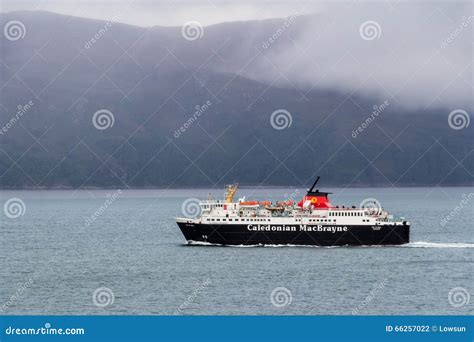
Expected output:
(153, 81)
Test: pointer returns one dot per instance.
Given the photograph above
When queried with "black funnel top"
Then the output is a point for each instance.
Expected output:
(316, 192)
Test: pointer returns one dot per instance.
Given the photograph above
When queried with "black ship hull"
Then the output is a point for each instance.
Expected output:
(308, 235)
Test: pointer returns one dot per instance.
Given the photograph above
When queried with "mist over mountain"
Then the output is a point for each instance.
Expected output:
(106, 104)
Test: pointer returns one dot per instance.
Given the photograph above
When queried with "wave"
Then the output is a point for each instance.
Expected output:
(424, 244)
(416, 244)
(202, 243)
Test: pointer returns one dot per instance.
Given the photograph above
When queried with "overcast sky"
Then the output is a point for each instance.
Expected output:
(167, 12)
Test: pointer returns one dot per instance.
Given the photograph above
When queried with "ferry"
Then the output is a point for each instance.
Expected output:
(313, 221)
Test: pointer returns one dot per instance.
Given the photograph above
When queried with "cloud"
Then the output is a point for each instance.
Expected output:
(416, 54)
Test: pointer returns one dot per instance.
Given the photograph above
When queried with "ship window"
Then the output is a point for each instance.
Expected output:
(218, 219)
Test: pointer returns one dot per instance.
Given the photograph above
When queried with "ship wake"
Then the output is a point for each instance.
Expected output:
(424, 244)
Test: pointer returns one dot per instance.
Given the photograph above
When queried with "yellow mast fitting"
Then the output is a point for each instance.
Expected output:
(231, 189)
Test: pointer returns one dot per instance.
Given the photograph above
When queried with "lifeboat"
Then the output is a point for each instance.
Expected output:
(288, 203)
(249, 204)
(277, 208)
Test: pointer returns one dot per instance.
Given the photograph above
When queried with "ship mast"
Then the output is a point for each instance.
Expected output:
(314, 184)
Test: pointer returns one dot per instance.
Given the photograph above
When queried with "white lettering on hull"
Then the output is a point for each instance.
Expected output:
(290, 228)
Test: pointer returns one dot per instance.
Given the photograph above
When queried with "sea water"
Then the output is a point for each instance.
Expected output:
(120, 252)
